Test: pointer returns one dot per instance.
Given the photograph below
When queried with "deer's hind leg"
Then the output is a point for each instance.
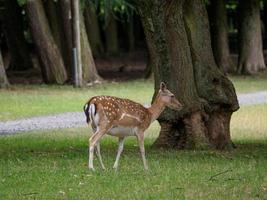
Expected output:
(120, 149)
(98, 153)
(101, 131)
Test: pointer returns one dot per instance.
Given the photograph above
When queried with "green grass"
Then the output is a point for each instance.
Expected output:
(34, 100)
(26, 101)
(53, 165)
(246, 84)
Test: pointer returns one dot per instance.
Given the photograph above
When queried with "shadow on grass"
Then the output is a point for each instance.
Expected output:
(78, 148)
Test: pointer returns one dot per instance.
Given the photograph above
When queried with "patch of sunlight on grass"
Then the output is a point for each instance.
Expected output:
(250, 122)
(246, 84)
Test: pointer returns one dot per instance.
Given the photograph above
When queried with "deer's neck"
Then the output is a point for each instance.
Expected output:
(156, 109)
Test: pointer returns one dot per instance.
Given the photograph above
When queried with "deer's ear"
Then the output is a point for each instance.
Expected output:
(163, 86)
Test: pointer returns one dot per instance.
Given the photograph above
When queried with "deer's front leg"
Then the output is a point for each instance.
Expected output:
(140, 138)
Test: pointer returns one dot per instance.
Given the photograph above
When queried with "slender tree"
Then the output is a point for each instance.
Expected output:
(251, 58)
(219, 33)
(3, 78)
(53, 68)
(93, 30)
(14, 33)
(111, 35)
(66, 21)
(177, 33)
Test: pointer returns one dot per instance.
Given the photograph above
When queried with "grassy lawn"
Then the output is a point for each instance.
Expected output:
(53, 165)
(26, 101)
(246, 84)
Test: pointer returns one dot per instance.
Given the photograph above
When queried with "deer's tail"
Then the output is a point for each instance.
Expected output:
(89, 111)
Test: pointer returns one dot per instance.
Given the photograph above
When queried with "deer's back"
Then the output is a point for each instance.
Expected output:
(121, 110)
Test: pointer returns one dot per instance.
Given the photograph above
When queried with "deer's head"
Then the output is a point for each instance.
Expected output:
(168, 98)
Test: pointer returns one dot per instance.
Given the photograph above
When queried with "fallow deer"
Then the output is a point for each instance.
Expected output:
(121, 118)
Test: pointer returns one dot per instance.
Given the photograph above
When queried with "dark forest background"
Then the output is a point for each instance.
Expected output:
(36, 39)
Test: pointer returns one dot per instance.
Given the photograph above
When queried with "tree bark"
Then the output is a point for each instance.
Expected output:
(178, 38)
(90, 74)
(251, 58)
(65, 13)
(52, 13)
(111, 35)
(3, 78)
(93, 31)
(14, 33)
(53, 68)
(219, 33)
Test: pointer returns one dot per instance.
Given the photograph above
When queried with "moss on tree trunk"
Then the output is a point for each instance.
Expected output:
(179, 44)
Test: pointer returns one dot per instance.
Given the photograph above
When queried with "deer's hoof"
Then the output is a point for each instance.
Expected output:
(91, 168)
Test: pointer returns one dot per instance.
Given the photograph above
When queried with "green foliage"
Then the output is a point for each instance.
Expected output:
(120, 9)
(22, 2)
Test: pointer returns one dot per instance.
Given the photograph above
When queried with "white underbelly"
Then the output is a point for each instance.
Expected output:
(121, 131)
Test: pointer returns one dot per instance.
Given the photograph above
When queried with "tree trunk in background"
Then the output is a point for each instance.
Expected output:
(3, 78)
(13, 29)
(52, 13)
(53, 69)
(65, 13)
(111, 35)
(219, 33)
(265, 24)
(92, 27)
(90, 74)
(251, 58)
(178, 38)
(130, 34)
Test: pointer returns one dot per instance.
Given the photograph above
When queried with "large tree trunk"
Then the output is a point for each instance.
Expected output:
(178, 38)
(13, 29)
(219, 33)
(111, 35)
(65, 13)
(251, 58)
(93, 31)
(53, 68)
(90, 74)
(3, 78)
